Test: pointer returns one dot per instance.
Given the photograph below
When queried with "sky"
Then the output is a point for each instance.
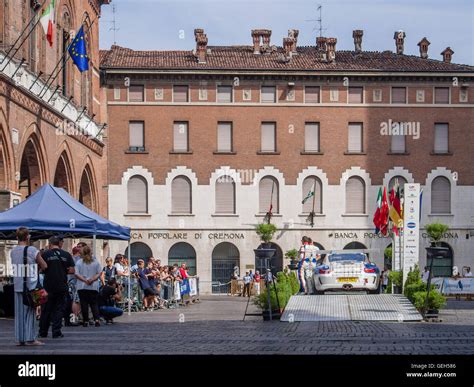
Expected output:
(169, 24)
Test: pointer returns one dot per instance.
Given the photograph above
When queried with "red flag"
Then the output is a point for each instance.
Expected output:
(383, 218)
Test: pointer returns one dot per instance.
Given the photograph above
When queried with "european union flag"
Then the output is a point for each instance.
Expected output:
(78, 51)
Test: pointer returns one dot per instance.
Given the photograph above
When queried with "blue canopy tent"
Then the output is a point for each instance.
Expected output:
(52, 211)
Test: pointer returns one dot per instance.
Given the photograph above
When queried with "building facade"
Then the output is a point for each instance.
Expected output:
(203, 143)
(50, 113)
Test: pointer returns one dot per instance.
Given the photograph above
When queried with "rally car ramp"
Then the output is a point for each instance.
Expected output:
(347, 307)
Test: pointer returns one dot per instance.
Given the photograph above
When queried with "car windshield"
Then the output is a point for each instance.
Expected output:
(346, 257)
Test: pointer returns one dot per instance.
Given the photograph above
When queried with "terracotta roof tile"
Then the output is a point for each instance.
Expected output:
(243, 58)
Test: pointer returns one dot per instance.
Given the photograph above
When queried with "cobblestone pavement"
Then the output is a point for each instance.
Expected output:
(215, 326)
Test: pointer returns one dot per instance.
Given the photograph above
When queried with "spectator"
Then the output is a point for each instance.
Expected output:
(60, 264)
(425, 275)
(73, 307)
(108, 296)
(148, 290)
(385, 278)
(256, 281)
(122, 272)
(24, 315)
(166, 283)
(468, 272)
(183, 271)
(247, 280)
(88, 271)
(108, 272)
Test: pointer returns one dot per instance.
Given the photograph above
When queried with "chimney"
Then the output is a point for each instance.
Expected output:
(321, 47)
(423, 44)
(261, 41)
(294, 35)
(357, 35)
(399, 37)
(201, 45)
(447, 55)
(331, 49)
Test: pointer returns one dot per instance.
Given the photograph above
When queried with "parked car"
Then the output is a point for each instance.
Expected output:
(347, 271)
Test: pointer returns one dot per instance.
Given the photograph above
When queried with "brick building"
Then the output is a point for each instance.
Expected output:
(50, 132)
(203, 141)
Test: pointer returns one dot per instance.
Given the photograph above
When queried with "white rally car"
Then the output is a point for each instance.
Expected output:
(347, 271)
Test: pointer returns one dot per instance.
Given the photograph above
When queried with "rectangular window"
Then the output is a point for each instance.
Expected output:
(397, 143)
(441, 143)
(334, 95)
(224, 137)
(377, 95)
(311, 137)
(356, 94)
(224, 94)
(180, 93)
(441, 95)
(311, 94)
(136, 136)
(136, 93)
(399, 95)
(268, 94)
(180, 137)
(116, 92)
(268, 137)
(355, 138)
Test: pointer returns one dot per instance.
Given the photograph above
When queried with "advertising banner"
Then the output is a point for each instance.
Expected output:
(411, 229)
(454, 286)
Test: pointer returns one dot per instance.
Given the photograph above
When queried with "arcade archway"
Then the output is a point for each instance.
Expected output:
(355, 246)
(225, 257)
(183, 252)
(63, 174)
(31, 176)
(86, 189)
(443, 267)
(139, 250)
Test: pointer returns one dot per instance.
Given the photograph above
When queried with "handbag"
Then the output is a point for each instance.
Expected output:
(36, 297)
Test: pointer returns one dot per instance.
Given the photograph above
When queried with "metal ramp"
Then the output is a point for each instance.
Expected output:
(350, 307)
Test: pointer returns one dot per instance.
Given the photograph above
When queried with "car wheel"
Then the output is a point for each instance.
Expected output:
(376, 291)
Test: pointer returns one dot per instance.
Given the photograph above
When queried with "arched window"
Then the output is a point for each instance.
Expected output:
(225, 195)
(63, 35)
(181, 195)
(268, 195)
(137, 191)
(401, 181)
(183, 252)
(442, 267)
(355, 195)
(312, 186)
(225, 257)
(138, 250)
(440, 196)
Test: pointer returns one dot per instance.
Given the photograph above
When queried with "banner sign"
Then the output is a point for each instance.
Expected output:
(449, 286)
(411, 228)
(193, 291)
(177, 291)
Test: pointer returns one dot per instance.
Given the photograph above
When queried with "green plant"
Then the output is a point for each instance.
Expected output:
(394, 278)
(388, 253)
(436, 300)
(286, 285)
(265, 231)
(413, 277)
(436, 231)
(291, 254)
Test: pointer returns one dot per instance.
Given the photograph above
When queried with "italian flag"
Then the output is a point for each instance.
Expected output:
(377, 212)
(48, 20)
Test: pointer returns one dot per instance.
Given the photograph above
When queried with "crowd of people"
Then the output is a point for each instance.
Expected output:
(77, 283)
(245, 286)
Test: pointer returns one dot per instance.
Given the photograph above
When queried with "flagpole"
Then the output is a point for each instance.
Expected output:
(269, 218)
(19, 37)
(48, 84)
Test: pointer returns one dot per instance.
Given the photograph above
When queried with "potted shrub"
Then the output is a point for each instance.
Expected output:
(435, 301)
(292, 256)
(265, 231)
(395, 279)
(435, 232)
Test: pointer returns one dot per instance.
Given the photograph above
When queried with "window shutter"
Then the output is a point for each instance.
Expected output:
(116, 93)
(311, 137)
(224, 94)
(311, 94)
(355, 95)
(181, 195)
(441, 94)
(137, 195)
(355, 138)
(224, 137)
(136, 130)
(136, 93)
(355, 196)
(441, 144)
(399, 95)
(180, 137)
(308, 184)
(265, 195)
(268, 94)
(225, 195)
(441, 196)
(268, 137)
(398, 143)
(180, 93)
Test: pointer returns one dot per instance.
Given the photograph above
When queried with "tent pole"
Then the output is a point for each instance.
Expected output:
(129, 279)
(94, 239)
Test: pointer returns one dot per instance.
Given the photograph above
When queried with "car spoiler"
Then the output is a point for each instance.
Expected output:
(351, 251)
